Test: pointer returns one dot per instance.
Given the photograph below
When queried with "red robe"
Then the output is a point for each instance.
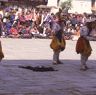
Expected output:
(83, 46)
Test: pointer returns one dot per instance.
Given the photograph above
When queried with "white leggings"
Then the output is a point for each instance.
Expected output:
(83, 60)
(56, 56)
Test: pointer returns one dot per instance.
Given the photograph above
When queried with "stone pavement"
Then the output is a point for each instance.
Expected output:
(67, 80)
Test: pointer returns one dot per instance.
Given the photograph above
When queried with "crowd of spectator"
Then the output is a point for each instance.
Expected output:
(17, 22)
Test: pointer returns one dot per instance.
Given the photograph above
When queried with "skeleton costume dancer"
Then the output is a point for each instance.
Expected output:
(57, 32)
(83, 46)
(1, 52)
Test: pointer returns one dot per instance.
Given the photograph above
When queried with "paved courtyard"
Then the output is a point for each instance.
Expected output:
(67, 80)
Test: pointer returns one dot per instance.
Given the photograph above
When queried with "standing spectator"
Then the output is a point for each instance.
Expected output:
(12, 17)
(74, 21)
(8, 26)
(21, 18)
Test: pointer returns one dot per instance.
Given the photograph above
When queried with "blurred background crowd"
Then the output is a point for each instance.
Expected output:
(35, 22)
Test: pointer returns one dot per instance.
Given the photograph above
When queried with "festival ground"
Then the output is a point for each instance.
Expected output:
(67, 80)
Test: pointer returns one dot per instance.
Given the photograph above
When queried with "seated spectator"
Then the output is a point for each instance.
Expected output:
(13, 32)
(48, 32)
(35, 32)
(25, 32)
(76, 33)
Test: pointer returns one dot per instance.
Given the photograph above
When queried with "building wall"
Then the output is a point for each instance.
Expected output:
(52, 3)
(80, 6)
(25, 2)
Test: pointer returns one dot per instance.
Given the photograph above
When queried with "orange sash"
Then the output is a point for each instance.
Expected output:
(57, 45)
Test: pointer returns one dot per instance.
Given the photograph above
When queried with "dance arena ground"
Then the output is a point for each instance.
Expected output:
(66, 80)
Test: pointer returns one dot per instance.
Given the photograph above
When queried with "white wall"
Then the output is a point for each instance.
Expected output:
(80, 6)
(52, 3)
